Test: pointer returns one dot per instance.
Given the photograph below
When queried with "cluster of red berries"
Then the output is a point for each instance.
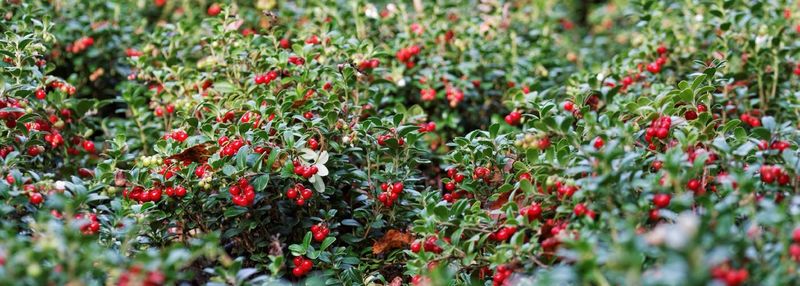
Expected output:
(34, 197)
(251, 117)
(178, 135)
(11, 116)
(454, 196)
(453, 95)
(299, 194)
(693, 152)
(301, 266)
(794, 248)
(655, 67)
(503, 233)
(201, 170)
(230, 147)
(751, 120)
(427, 127)
(132, 277)
(383, 137)
(532, 212)
(390, 193)
(564, 190)
(660, 201)
(5, 150)
(659, 128)
(320, 232)
(312, 144)
(481, 173)
(427, 94)
(130, 52)
(159, 110)
(228, 117)
(312, 40)
(176, 191)
(369, 64)
(729, 276)
(692, 114)
(406, 55)
(168, 168)
(88, 223)
(626, 82)
(501, 275)
(64, 87)
(455, 179)
(779, 145)
(304, 171)
(80, 44)
(35, 150)
(418, 280)
(772, 174)
(266, 78)
(581, 210)
(295, 60)
(242, 193)
(54, 138)
(430, 245)
(513, 118)
(141, 195)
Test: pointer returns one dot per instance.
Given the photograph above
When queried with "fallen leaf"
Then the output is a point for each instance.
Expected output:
(198, 153)
(391, 240)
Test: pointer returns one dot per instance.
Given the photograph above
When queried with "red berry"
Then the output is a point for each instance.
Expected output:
(214, 9)
(36, 198)
(661, 49)
(88, 146)
(654, 68)
(626, 81)
(416, 246)
(693, 185)
(598, 143)
(180, 191)
(661, 200)
(291, 193)
(569, 106)
(41, 94)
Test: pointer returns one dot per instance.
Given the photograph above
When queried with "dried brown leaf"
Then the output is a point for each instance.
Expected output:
(391, 240)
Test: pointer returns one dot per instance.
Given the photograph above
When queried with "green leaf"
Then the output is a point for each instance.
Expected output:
(327, 242)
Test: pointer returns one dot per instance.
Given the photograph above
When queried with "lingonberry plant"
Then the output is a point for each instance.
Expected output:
(427, 143)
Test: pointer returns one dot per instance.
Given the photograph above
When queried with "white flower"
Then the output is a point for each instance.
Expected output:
(676, 235)
(371, 11)
(761, 41)
(317, 159)
(60, 185)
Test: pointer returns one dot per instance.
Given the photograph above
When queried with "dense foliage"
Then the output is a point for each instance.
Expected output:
(428, 143)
